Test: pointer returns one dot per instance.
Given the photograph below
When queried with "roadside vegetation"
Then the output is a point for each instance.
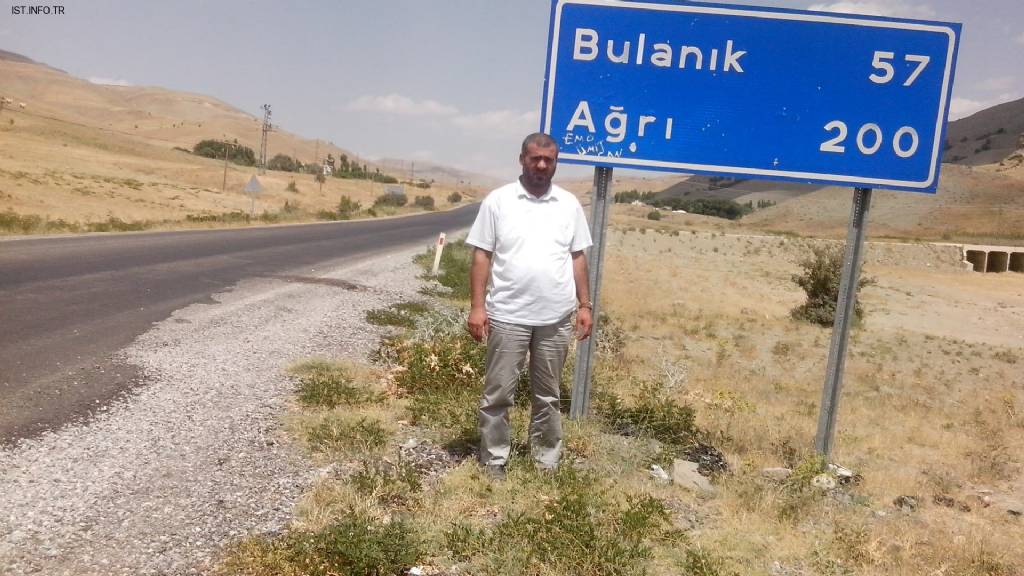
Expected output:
(726, 379)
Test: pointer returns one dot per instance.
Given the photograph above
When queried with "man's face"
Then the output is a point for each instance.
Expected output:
(538, 165)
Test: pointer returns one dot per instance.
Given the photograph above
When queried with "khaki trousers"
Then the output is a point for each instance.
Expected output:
(507, 348)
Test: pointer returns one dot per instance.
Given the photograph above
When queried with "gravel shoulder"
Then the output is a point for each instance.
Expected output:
(157, 483)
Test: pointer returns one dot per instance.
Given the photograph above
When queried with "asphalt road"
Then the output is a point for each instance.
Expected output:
(68, 304)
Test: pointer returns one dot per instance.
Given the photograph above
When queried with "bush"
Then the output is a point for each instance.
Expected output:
(454, 198)
(357, 545)
(395, 200)
(442, 379)
(237, 153)
(425, 202)
(584, 530)
(654, 215)
(820, 277)
(651, 415)
(291, 187)
(284, 163)
(347, 207)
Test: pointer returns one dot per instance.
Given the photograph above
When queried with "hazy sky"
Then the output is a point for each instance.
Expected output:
(456, 82)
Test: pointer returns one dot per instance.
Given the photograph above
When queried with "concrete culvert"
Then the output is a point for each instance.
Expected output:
(998, 262)
(978, 259)
(1017, 262)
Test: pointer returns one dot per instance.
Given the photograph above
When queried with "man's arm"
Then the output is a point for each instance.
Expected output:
(584, 316)
(479, 271)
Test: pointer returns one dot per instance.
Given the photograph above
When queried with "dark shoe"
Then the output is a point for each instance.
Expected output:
(495, 472)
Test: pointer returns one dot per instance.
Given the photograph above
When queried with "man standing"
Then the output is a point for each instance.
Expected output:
(529, 238)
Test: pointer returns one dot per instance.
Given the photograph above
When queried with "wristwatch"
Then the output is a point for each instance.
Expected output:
(587, 305)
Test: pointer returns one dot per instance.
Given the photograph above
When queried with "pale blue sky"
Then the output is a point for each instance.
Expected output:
(456, 82)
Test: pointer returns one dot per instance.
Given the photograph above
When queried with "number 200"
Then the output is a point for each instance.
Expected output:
(870, 139)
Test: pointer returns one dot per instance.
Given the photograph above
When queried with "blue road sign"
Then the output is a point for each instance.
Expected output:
(750, 92)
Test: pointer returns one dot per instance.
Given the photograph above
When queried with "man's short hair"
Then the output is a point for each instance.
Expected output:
(540, 139)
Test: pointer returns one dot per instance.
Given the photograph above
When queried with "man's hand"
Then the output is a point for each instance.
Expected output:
(478, 324)
(584, 322)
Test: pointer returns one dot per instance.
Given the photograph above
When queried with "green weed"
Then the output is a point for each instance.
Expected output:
(328, 385)
(336, 435)
(402, 314)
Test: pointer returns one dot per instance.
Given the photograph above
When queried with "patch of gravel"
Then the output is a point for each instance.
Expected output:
(159, 482)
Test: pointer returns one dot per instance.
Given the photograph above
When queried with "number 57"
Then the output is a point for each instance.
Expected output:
(882, 63)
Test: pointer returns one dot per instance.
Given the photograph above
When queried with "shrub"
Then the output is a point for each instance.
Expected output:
(237, 153)
(284, 163)
(387, 484)
(357, 544)
(820, 277)
(651, 415)
(454, 198)
(584, 530)
(395, 200)
(291, 187)
(347, 207)
(442, 379)
(425, 202)
(654, 215)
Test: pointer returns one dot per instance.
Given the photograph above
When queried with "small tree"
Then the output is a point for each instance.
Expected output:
(454, 198)
(654, 215)
(820, 277)
(347, 207)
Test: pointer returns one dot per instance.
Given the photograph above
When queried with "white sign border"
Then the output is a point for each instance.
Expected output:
(755, 13)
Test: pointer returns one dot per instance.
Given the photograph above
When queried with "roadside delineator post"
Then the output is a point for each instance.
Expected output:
(437, 254)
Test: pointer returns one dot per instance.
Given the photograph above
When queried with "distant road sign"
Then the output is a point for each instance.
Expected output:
(254, 186)
(750, 92)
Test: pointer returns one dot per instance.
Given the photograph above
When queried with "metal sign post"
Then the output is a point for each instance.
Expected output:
(584, 369)
(841, 326)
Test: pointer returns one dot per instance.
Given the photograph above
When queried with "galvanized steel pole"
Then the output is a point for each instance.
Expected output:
(584, 368)
(841, 327)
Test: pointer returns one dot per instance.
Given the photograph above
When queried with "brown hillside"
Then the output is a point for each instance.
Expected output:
(986, 137)
(83, 152)
(970, 204)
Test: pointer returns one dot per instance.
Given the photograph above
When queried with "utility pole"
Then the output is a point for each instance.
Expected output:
(263, 140)
(224, 184)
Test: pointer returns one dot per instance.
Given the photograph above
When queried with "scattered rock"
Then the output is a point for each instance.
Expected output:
(844, 476)
(710, 459)
(824, 482)
(905, 503)
(659, 474)
(950, 502)
(687, 475)
(778, 474)
(980, 500)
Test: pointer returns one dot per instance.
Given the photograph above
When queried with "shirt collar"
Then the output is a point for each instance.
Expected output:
(524, 193)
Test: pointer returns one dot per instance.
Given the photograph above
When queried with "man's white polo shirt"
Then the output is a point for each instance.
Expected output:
(532, 240)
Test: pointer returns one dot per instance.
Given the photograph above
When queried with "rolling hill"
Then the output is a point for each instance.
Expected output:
(85, 152)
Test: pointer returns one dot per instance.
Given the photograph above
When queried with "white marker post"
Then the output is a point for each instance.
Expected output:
(437, 254)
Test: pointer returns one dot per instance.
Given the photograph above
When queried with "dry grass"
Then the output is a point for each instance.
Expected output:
(932, 409)
(931, 404)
